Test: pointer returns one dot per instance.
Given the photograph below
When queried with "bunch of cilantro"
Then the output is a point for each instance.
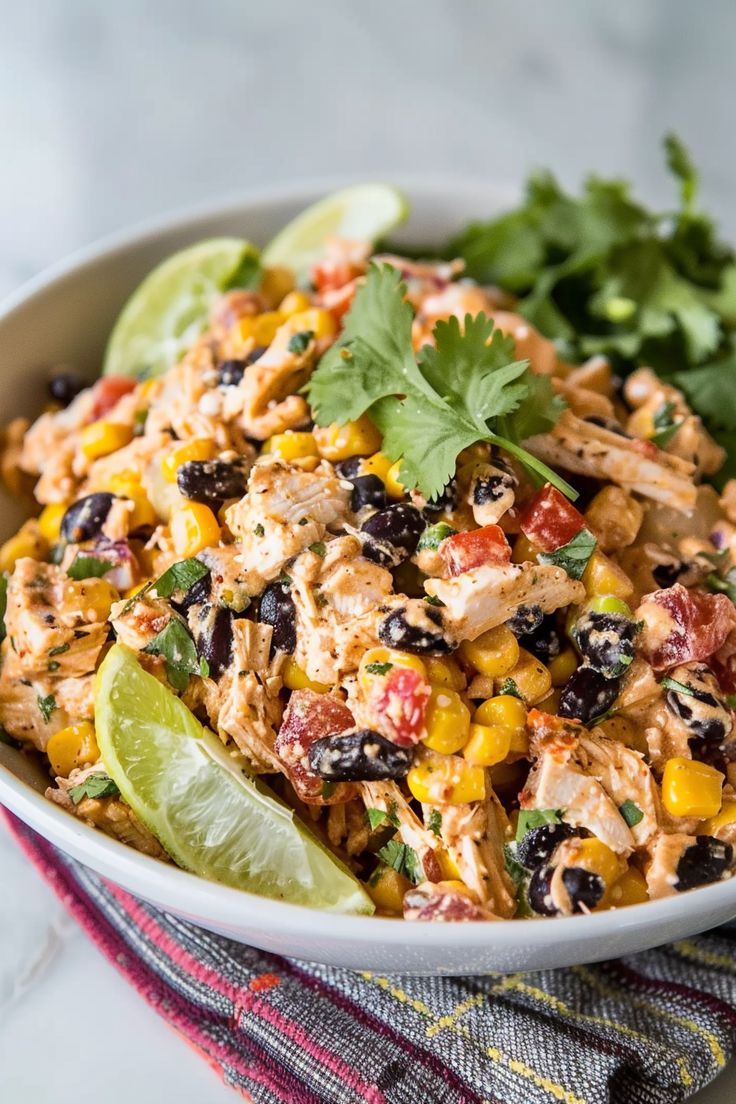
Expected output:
(433, 404)
(601, 274)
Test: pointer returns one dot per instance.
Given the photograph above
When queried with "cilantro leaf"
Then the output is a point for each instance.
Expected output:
(680, 165)
(88, 567)
(175, 644)
(677, 686)
(180, 576)
(96, 785)
(631, 813)
(46, 705)
(664, 424)
(434, 824)
(298, 343)
(535, 818)
(375, 818)
(433, 536)
(403, 859)
(509, 687)
(319, 548)
(378, 668)
(573, 557)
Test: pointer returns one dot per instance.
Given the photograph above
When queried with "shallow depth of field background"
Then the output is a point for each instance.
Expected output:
(110, 113)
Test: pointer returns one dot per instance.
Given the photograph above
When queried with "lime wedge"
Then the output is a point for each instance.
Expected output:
(168, 311)
(211, 817)
(364, 212)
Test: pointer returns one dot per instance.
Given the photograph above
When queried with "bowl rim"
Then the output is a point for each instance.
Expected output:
(188, 893)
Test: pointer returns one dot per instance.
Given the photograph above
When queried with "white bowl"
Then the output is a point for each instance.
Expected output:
(64, 316)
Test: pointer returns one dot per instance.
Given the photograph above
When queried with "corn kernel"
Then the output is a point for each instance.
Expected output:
(456, 885)
(448, 866)
(726, 816)
(691, 789)
(276, 283)
(394, 487)
(386, 888)
(296, 679)
(377, 464)
(49, 521)
(94, 597)
(524, 551)
(532, 678)
(624, 732)
(320, 322)
(293, 303)
(145, 388)
(28, 541)
(291, 446)
(641, 423)
(629, 889)
(487, 744)
(340, 442)
(597, 857)
(447, 721)
(508, 712)
(550, 704)
(446, 780)
(200, 448)
(563, 666)
(445, 672)
(74, 746)
(382, 656)
(493, 653)
(603, 576)
(193, 527)
(101, 438)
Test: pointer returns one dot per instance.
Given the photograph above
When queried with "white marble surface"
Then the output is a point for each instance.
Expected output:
(110, 113)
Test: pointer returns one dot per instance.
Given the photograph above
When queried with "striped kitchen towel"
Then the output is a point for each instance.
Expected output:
(650, 1029)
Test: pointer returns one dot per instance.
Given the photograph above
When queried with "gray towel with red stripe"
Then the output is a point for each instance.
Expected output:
(650, 1029)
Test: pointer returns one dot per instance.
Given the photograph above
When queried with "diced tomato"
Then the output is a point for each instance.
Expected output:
(549, 521)
(464, 551)
(682, 625)
(108, 391)
(401, 705)
(440, 904)
(648, 449)
(309, 717)
(332, 272)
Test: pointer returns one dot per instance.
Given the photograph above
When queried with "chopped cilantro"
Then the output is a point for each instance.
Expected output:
(535, 818)
(204, 667)
(678, 687)
(328, 788)
(508, 686)
(88, 567)
(725, 585)
(433, 536)
(433, 600)
(513, 867)
(664, 424)
(259, 530)
(403, 859)
(47, 706)
(59, 649)
(375, 817)
(299, 342)
(434, 824)
(429, 406)
(573, 557)
(53, 665)
(175, 644)
(303, 521)
(96, 785)
(631, 813)
(378, 668)
(180, 576)
(319, 548)
(285, 578)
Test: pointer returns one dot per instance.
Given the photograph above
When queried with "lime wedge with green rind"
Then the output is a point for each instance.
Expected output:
(167, 312)
(206, 811)
(363, 212)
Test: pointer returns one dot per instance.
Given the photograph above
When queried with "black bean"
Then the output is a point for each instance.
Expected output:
(231, 372)
(445, 502)
(421, 632)
(398, 527)
(85, 517)
(539, 844)
(348, 469)
(703, 862)
(538, 891)
(360, 755)
(527, 619)
(667, 575)
(491, 488)
(717, 755)
(211, 481)
(368, 490)
(66, 386)
(587, 694)
(702, 710)
(214, 637)
(198, 593)
(545, 642)
(606, 640)
(583, 887)
(278, 611)
(381, 554)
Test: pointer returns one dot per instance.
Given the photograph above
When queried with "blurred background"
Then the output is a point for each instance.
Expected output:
(110, 113)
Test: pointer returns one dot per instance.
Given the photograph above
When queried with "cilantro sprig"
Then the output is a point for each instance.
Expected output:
(431, 405)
